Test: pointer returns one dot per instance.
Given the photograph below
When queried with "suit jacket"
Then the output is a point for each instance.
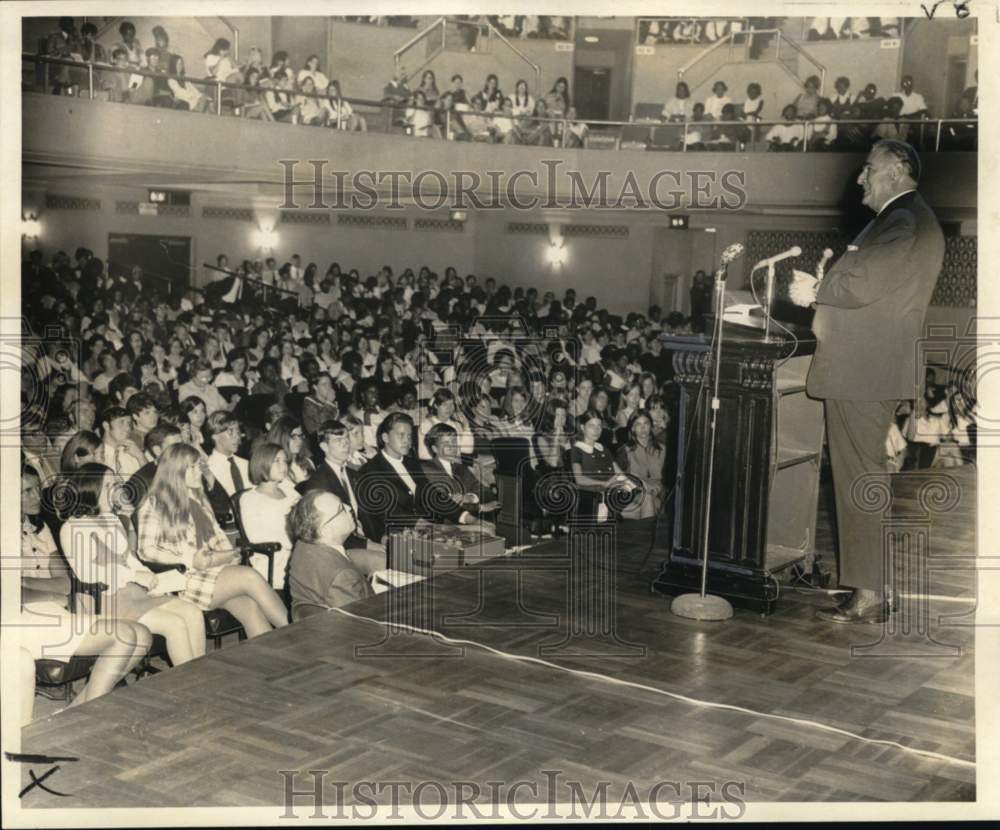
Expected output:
(321, 576)
(871, 305)
(383, 497)
(325, 479)
(461, 482)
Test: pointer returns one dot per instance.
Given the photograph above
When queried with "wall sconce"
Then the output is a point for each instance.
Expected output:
(31, 228)
(266, 240)
(557, 253)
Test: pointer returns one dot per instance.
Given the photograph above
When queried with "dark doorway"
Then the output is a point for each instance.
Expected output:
(165, 260)
(958, 68)
(592, 92)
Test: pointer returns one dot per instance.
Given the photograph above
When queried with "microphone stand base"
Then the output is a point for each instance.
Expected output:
(698, 607)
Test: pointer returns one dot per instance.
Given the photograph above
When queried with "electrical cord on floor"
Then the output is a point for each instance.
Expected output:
(684, 698)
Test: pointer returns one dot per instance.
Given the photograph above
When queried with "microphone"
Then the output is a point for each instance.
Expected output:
(791, 252)
(821, 267)
(734, 251)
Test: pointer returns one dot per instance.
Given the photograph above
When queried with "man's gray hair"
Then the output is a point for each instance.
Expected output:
(302, 523)
(904, 154)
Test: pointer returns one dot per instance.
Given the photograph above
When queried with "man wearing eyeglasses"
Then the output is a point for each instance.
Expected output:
(231, 471)
(321, 574)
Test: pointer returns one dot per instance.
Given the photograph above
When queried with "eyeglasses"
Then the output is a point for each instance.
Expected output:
(343, 507)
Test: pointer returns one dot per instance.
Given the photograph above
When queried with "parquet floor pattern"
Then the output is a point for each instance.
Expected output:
(367, 704)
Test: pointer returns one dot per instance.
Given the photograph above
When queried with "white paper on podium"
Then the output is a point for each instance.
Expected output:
(742, 313)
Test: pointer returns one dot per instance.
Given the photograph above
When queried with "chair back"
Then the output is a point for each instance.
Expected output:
(645, 111)
(293, 403)
(512, 455)
(252, 409)
(634, 137)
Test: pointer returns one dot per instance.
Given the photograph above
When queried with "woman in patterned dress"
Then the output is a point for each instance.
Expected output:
(99, 550)
(176, 525)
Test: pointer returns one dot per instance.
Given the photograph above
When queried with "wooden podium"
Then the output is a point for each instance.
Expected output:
(768, 451)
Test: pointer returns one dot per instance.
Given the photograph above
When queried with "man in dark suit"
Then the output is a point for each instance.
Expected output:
(446, 471)
(870, 312)
(334, 476)
(393, 488)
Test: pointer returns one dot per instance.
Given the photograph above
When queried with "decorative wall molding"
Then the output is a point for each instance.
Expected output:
(957, 284)
(132, 208)
(54, 201)
(355, 220)
(607, 231)
(439, 225)
(305, 217)
(236, 214)
(956, 287)
(537, 228)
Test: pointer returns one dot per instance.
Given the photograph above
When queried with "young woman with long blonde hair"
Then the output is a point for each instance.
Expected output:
(176, 525)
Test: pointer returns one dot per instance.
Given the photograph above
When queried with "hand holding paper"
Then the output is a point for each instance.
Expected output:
(802, 289)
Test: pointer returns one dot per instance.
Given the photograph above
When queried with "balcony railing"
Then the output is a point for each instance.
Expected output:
(92, 81)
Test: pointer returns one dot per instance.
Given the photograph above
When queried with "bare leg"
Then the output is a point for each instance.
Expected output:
(194, 622)
(172, 628)
(119, 651)
(238, 580)
(249, 615)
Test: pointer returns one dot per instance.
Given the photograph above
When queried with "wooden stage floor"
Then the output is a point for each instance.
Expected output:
(345, 695)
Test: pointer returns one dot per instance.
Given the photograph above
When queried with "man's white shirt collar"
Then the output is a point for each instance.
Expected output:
(894, 198)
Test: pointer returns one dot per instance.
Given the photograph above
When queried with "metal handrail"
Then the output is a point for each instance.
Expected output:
(236, 36)
(822, 69)
(702, 55)
(562, 122)
(213, 83)
(494, 32)
(423, 33)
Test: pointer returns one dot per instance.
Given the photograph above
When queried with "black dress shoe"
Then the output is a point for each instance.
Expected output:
(852, 613)
(846, 599)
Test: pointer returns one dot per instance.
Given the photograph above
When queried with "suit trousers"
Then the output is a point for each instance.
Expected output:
(856, 433)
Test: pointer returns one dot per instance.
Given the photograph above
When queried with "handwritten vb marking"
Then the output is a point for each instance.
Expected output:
(961, 8)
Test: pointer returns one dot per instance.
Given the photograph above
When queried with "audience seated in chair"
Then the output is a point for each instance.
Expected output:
(100, 550)
(49, 631)
(594, 470)
(643, 457)
(445, 469)
(787, 136)
(176, 526)
(321, 574)
(229, 469)
(265, 507)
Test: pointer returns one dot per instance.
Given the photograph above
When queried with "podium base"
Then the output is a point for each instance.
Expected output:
(698, 607)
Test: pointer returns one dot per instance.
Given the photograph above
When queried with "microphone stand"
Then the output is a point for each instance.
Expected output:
(704, 606)
(770, 302)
